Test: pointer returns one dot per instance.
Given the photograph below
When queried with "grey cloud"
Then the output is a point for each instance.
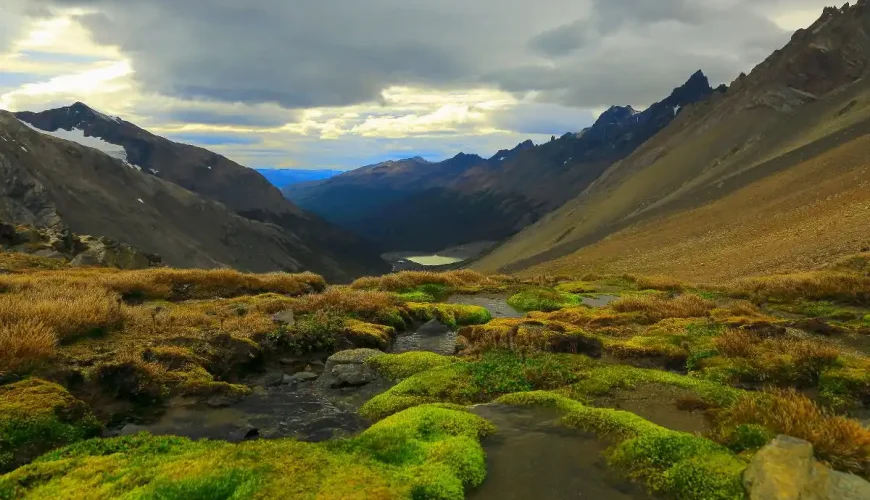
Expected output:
(217, 117)
(302, 53)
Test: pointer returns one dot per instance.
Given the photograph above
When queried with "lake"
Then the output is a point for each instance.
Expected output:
(433, 260)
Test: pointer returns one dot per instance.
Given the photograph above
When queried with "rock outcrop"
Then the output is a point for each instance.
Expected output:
(79, 251)
(785, 469)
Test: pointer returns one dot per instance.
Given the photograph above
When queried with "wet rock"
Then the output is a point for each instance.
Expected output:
(348, 369)
(433, 328)
(285, 318)
(785, 469)
(223, 400)
(244, 434)
(299, 378)
(271, 379)
(817, 327)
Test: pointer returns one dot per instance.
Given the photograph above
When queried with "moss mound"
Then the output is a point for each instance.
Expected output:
(673, 464)
(37, 416)
(426, 452)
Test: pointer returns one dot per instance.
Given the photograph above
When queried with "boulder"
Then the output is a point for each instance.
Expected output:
(349, 369)
(433, 328)
(785, 469)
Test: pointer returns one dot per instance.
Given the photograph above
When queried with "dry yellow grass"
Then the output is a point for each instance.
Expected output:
(813, 285)
(23, 344)
(69, 309)
(171, 284)
(406, 280)
(657, 308)
(785, 360)
(842, 442)
(368, 305)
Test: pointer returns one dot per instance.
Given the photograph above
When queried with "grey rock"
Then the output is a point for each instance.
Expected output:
(785, 469)
(299, 378)
(223, 400)
(271, 379)
(349, 369)
(305, 376)
(285, 318)
(433, 328)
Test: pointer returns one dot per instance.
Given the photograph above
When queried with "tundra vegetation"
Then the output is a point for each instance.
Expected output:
(755, 357)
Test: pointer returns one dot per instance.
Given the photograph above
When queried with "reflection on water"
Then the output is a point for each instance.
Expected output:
(433, 260)
(531, 456)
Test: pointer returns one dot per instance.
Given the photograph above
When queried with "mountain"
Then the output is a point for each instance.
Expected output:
(768, 176)
(198, 208)
(283, 177)
(416, 205)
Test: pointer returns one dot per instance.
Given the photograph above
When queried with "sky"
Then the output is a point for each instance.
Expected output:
(343, 83)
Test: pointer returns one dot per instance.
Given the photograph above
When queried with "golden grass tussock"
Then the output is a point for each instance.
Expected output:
(22, 262)
(458, 280)
(23, 344)
(657, 308)
(171, 284)
(841, 442)
(525, 335)
(813, 285)
(368, 305)
(780, 359)
(70, 309)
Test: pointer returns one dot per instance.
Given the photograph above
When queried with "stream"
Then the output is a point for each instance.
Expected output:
(532, 456)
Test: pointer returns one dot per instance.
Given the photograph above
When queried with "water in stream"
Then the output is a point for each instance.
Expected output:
(532, 456)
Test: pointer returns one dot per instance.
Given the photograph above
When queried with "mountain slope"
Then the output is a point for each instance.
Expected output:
(804, 101)
(416, 205)
(52, 182)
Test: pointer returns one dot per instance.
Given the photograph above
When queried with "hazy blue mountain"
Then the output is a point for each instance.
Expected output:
(283, 177)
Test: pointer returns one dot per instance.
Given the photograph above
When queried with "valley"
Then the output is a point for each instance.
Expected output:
(671, 303)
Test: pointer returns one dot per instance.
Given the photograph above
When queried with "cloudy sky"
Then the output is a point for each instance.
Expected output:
(343, 83)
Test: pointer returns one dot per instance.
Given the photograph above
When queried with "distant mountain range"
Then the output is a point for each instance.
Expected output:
(417, 205)
(283, 177)
(190, 205)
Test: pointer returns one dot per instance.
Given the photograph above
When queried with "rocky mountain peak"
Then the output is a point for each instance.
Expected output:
(614, 115)
(696, 88)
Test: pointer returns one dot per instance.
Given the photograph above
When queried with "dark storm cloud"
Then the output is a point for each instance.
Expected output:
(302, 53)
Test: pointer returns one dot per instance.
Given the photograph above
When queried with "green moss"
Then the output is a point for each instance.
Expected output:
(748, 437)
(452, 315)
(818, 309)
(542, 299)
(844, 386)
(429, 450)
(674, 464)
(577, 287)
(502, 372)
(416, 296)
(399, 366)
(36, 416)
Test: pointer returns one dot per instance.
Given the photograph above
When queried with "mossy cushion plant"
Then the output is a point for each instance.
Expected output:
(425, 452)
(36, 416)
(674, 464)
(543, 299)
(452, 315)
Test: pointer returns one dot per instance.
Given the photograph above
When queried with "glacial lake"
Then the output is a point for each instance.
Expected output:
(433, 260)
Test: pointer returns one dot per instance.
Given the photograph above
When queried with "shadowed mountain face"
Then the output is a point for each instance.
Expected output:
(198, 208)
(708, 189)
(417, 205)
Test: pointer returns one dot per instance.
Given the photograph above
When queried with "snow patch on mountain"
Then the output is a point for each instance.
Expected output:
(78, 136)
